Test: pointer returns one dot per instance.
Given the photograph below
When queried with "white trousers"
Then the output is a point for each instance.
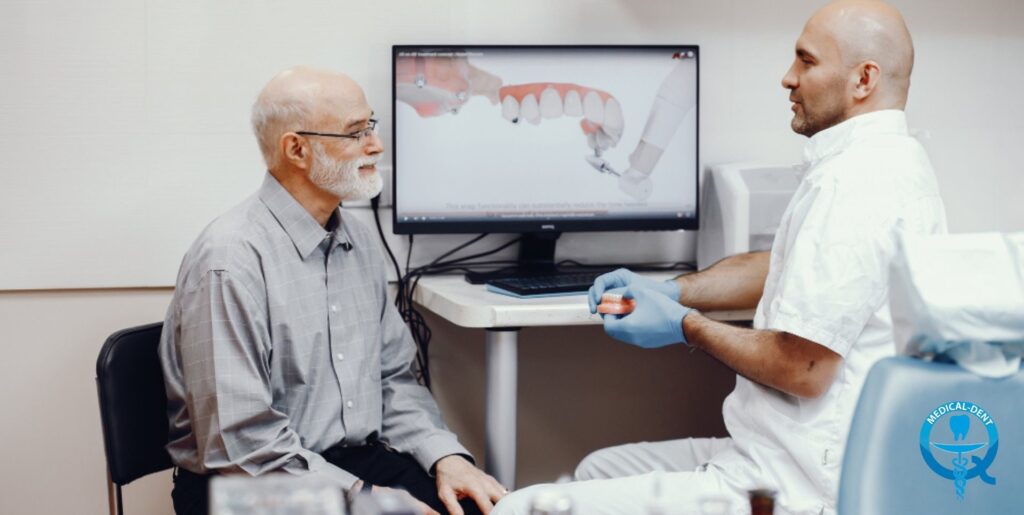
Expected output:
(639, 478)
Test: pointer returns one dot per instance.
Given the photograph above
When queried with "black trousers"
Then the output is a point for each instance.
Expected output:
(373, 463)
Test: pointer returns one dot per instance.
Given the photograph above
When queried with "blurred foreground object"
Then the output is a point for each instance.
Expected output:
(961, 297)
(274, 494)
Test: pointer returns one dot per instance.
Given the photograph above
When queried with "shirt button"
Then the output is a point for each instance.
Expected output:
(334, 307)
(340, 356)
(349, 404)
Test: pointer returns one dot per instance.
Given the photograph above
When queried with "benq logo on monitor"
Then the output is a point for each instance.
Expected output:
(549, 227)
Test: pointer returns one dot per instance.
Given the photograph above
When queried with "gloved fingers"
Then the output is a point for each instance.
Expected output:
(624, 329)
(602, 283)
(619, 278)
(654, 322)
(616, 291)
(626, 274)
(615, 326)
(595, 292)
(592, 299)
(603, 298)
(633, 292)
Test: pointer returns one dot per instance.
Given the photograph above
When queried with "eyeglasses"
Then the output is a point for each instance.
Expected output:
(371, 128)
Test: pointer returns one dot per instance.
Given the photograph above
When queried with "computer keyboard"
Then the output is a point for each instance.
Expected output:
(557, 284)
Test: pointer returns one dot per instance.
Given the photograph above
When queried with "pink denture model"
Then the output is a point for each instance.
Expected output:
(614, 304)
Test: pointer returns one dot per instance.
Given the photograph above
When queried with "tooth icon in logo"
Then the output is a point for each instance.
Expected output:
(960, 425)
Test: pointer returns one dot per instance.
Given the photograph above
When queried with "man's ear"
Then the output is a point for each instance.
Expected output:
(295, 150)
(866, 76)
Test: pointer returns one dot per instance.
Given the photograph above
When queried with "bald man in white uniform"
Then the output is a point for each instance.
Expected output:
(821, 294)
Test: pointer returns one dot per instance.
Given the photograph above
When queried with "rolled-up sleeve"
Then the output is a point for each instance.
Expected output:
(411, 419)
(225, 350)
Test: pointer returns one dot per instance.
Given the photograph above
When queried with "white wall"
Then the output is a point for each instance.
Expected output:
(52, 447)
(124, 123)
(123, 127)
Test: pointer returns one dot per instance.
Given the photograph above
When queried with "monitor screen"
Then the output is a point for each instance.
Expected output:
(544, 138)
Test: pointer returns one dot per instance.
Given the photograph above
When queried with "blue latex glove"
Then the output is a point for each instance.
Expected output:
(622, 278)
(656, 321)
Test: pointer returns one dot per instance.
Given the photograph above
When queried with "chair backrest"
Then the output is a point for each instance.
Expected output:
(908, 429)
(133, 403)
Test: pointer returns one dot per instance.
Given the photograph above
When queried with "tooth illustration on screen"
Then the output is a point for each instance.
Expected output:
(510, 109)
(601, 116)
(593, 108)
(573, 105)
(550, 103)
(529, 109)
(441, 85)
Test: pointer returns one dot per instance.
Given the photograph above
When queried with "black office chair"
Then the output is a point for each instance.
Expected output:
(133, 408)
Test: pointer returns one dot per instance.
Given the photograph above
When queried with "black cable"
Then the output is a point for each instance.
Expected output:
(437, 263)
(408, 283)
(418, 327)
(408, 255)
(488, 252)
(456, 249)
(421, 361)
(375, 205)
(400, 300)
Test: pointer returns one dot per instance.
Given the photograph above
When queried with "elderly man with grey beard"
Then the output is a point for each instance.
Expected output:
(281, 351)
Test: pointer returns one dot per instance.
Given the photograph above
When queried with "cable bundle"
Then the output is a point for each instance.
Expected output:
(407, 282)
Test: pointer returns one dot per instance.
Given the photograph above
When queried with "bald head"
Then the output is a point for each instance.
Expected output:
(853, 57)
(304, 98)
(871, 30)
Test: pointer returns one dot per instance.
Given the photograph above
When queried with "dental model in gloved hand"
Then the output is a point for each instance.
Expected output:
(656, 321)
(614, 304)
(621, 278)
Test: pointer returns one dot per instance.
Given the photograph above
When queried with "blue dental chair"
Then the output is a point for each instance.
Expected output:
(911, 449)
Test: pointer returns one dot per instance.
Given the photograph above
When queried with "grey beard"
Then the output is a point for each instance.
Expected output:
(342, 178)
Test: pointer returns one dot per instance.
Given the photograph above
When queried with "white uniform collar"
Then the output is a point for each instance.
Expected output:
(835, 139)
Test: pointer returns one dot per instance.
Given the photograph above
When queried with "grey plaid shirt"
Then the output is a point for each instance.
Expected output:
(279, 344)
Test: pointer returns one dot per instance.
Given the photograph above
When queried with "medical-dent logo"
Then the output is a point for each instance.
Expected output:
(964, 436)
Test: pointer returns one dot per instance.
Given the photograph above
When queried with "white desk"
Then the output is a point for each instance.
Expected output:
(470, 305)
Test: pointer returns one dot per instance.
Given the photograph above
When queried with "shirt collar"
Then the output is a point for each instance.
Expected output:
(837, 138)
(306, 234)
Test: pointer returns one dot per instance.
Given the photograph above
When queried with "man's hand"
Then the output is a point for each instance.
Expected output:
(655, 322)
(622, 278)
(458, 479)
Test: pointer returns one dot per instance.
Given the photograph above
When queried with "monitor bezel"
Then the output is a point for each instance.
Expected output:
(540, 226)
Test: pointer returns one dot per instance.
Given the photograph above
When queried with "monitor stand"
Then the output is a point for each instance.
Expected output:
(536, 257)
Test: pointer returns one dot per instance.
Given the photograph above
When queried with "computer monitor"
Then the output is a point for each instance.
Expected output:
(544, 139)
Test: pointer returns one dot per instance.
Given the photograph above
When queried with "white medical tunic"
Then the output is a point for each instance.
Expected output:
(865, 179)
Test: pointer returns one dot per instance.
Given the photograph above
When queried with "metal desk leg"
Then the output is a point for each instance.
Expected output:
(500, 433)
